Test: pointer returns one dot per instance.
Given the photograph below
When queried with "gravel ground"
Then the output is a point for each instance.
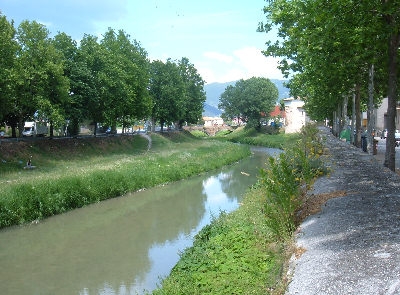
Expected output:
(352, 246)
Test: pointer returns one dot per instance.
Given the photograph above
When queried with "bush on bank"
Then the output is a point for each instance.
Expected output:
(245, 252)
(97, 178)
(252, 137)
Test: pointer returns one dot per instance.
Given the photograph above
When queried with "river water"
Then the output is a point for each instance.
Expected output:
(123, 245)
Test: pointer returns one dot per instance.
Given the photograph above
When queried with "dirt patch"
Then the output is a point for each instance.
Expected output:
(299, 251)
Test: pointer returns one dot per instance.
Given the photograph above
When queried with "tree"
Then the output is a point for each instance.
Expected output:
(127, 79)
(8, 51)
(167, 90)
(195, 96)
(77, 73)
(93, 76)
(332, 45)
(39, 81)
(52, 106)
(249, 100)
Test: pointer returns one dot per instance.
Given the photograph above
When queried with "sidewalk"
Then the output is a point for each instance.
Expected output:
(353, 245)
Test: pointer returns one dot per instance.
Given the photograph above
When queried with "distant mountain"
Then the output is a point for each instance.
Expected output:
(210, 111)
(283, 91)
(214, 91)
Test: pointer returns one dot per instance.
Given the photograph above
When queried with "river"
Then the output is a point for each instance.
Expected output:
(123, 245)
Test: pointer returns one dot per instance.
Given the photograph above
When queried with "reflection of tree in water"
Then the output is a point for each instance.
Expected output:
(242, 176)
(178, 211)
(102, 246)
(170, 211)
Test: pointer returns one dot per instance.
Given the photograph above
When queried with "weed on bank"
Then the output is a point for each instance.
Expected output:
(245, 252)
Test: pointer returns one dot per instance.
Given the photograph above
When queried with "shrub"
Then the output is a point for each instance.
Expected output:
(198, 133)
(286, 178)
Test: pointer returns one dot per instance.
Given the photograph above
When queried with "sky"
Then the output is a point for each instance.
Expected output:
(218, 37)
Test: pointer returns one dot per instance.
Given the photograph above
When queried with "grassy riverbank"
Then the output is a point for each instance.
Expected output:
(253, 137)
(72, 173)
(246, 251)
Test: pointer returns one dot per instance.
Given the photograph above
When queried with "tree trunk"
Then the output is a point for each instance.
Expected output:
(13, 131)
(353, 118)
(344, 112)
(390, 155)
(51, 129)
(334, 125)
(357, 141)
(21, 125)
(370, 111)
(340, 119)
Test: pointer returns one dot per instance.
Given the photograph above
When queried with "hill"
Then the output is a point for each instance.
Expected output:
(214, 91)
(210, 111)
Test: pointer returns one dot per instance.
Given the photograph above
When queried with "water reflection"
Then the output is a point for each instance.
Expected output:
(120, 246)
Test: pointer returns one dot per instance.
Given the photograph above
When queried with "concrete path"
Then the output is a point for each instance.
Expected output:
(353, 245)
(145, 135)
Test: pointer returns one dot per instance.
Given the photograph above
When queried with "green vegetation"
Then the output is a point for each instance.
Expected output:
(198, 133)
(107, 80)
(245, 252)
(253, 137)
(249, 101)
(65, 179)
(313, 31)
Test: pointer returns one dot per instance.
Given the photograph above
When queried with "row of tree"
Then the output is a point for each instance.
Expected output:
(109, 81)
(339, 50)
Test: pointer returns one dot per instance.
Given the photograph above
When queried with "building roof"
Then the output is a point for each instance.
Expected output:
(277, 112)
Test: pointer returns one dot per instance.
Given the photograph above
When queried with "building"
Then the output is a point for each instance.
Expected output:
(277, 115)
(295, 115)
(213, 121)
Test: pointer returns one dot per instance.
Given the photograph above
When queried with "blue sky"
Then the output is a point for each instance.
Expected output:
(218, 36)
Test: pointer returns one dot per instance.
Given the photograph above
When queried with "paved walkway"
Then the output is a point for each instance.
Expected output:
(353, 245)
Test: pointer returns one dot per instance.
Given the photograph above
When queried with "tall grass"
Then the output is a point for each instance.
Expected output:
(97, 178)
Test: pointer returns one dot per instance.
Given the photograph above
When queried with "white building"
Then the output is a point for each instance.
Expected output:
(213, 121)
(296, 116)
(381, 115)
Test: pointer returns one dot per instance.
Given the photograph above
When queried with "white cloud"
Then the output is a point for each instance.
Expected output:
(257, 64)
(242, 63)
(218, 56)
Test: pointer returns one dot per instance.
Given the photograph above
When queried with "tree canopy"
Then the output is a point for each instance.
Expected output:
(108, 81)
(329, 48)
(249, 100)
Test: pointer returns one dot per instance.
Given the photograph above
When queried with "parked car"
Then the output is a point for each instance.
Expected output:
(110, 131)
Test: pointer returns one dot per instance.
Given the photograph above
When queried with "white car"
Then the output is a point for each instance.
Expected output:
(397, 137)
